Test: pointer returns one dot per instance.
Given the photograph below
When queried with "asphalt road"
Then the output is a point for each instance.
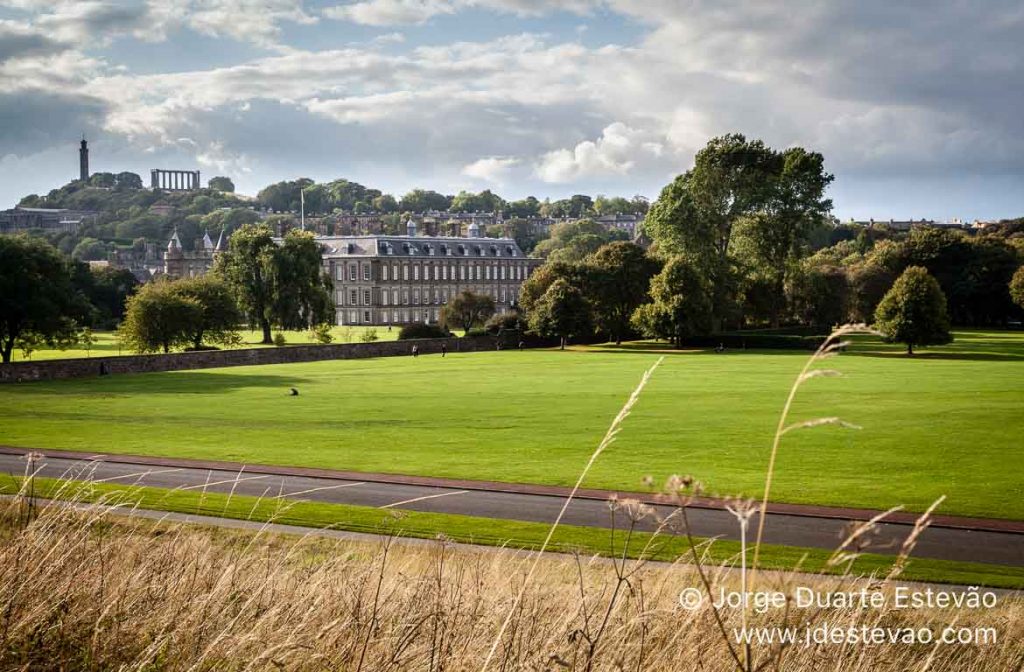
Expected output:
(1004, 548)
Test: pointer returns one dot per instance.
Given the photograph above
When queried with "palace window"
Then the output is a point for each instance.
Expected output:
(366, 316)
(384, 298)
(352, 272)
(366, 297)
(415, 272)
(394, 297)
(405, 272)
(384, 272)
(353, 298)
(366, 271)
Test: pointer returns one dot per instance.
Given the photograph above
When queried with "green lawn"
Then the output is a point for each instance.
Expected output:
(106, 344)
(946, 422)
(507, 533)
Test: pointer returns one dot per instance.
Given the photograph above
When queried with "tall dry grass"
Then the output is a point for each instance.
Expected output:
(88, 590)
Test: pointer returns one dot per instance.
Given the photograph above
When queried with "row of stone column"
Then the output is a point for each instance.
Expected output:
(174, 180)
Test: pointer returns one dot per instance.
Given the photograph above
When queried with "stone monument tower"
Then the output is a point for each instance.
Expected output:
(83, 161)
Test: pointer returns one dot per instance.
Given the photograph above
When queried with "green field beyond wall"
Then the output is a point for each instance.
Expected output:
(949, 421)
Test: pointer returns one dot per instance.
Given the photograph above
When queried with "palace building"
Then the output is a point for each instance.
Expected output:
(385, 280)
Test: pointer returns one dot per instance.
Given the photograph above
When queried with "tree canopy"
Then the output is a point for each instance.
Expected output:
(680, 306)
(914, 311)
(37, 295)
(562, 312)
(619, 276)
(467, 310)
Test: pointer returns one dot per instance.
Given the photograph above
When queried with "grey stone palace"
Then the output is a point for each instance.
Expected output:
(384, 280)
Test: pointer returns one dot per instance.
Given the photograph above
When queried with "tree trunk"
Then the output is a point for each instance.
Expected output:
(265, 325)
(910, 349)
(6, 354)
(562, 343)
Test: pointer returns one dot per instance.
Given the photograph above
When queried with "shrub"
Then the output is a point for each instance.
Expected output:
(321, 333)
(279, 339)
(476, 332)
(511, 321)
(369, 336)
(421, 330)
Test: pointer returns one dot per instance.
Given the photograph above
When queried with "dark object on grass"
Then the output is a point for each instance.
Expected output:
(415, 351)
(294, 392)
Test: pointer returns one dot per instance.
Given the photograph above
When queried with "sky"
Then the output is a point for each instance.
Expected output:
(918, 107)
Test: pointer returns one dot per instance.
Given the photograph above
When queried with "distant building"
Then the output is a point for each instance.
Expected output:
(54, 220)
(385, 280)
(181, 263)
(907, 224)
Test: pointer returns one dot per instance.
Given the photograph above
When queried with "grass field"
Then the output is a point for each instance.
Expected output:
(945, 422)
(106, 344)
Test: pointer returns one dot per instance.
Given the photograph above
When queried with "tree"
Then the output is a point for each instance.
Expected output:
(106, 289)
(485, 201)
(385, 203)
(300, 289)
(36, 294)
(1017, 287)
(573, 241)
(420, 200)
(562, 312)
(732, 178)
(221, 183)
(283, 196)
(820, 294)
(89, 249)
(128, 180)
(219, 315)
(527, 207)
(777, 234)
(159, 317)
(914, 311)
(248, 267)
(467, 310)
(620, 275)
(681, 304)
(542, 278)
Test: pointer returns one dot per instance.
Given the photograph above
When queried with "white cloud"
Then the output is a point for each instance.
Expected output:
(410, 12)
(492, 169)
(247, 20)
(616, 152)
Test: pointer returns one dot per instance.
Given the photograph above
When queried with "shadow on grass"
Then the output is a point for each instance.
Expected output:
(169, 382)
(950, 356)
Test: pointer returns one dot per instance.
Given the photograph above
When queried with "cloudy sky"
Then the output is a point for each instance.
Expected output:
(918, 107)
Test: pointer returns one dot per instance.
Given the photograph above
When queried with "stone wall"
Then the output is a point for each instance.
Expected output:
(56, 369)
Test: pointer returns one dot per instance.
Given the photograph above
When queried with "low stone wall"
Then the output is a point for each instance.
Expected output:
(56, 369)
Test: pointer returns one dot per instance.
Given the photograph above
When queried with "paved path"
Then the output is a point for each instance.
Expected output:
(513, 502)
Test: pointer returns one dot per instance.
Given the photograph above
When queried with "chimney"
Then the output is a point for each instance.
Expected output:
(410, 227)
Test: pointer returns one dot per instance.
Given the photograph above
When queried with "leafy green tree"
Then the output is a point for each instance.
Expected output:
(914, 311)
(219, 315)
(106, 289)
(526, 207)
(619, 276)
(732, 178)
(868, 284)
(467, 310)
(221, 183)
(127, 180)
(158, 318)
(321, 333)
(248, 266)
(283, 196)
(574, 241)
(300, 289)
(1017, 287)
(562, 312)
(820, 295)
(542, 278)
(103, 180)
(421, 200)
(485, 201)
(681, 304)
(87, 339)
(89, 249)
(777, 234)
(36, 294)
(520, 230)
(385, 203)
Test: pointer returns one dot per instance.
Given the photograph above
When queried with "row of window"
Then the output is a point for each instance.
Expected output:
(388, 316)
(492, 271)
(447, 250)
(396, 297)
